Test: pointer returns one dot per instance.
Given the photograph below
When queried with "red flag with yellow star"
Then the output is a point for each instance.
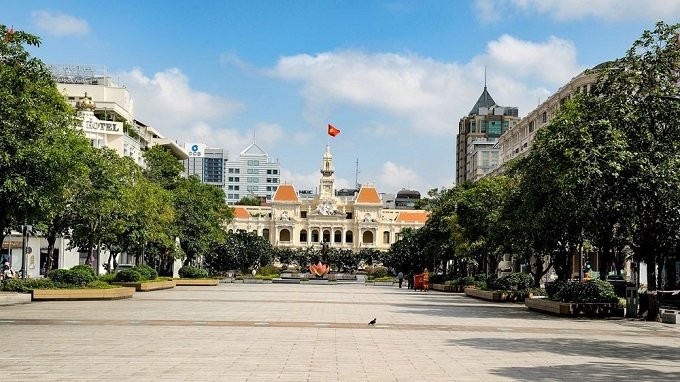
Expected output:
(332, 130)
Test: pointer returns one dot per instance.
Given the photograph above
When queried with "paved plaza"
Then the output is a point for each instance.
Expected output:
(277, 332)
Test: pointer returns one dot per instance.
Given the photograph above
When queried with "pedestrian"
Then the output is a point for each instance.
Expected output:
(409, 280)
(400, 276)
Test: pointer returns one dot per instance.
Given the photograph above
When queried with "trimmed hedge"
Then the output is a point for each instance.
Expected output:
(189, 272)
(514, 282)
(128, 276)
(80, 275)
(25, 286)
(148, 273)
(587, 292)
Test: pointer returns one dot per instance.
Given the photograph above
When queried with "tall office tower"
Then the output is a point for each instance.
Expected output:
(476, 154)
(205, 162)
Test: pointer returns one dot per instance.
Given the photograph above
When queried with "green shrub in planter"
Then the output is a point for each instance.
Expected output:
(128, 276)
(58, 275)
(189, 272)
(554, 287)
(467, 280)
(587, 292)
(80, 276)
(514, 282)
(83, 268)
(269, 270)
(376, 272)
(107, 278)
(25, 286)
(146, 271)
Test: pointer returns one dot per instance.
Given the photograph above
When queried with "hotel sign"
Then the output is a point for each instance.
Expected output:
(75, 74)
(97, 126)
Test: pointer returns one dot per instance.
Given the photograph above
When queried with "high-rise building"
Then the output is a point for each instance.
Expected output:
(206, 163)
(252, 174)
(485, 123)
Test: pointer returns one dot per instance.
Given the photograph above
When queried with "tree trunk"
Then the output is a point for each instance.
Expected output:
(51, 239)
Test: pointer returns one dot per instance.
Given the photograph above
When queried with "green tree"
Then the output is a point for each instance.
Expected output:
(200, 215)
(33, 115)
(162, 167)
(249, 201)
(240, 250)
(632, 96)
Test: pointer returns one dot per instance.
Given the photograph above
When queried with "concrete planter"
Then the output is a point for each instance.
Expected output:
(542, 304)
(256, 281)
(196, 282)
(81, 294)
(449, 288)
(11, 298)
(380, 283)
(495, 296)
(148, 286)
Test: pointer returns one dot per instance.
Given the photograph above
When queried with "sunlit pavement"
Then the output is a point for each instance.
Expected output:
(279, 332)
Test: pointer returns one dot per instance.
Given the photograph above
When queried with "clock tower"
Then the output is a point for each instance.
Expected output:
(326, 188)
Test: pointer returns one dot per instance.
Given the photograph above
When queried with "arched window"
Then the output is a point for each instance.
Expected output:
(349, 237)
(265, 234)
(386, 237)
(284, 235)
(315, 236)
(303, 236)
(327, 236)
(337, 236)
(367, 237)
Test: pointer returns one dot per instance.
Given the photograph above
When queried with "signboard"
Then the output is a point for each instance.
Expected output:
(304, 192)
(195, 150)
(76, 74)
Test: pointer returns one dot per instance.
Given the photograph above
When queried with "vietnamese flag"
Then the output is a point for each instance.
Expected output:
(9, 34)
(332, 131)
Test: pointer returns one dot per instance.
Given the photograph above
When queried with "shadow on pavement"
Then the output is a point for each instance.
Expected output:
(587, 372)
(471, 309)
(578, 347)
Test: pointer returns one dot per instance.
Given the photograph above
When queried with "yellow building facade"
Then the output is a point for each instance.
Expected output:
(345, 222)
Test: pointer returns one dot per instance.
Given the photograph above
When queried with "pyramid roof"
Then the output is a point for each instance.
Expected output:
(484, 100)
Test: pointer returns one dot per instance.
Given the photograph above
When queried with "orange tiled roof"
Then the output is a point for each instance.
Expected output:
(285, 193)
(419, 217)
(241, 212)
(368, 195)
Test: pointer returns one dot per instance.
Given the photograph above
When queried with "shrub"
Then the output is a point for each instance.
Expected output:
(269, 270)
(25, 286)
(99, 284)
(587, 292)
(107, 278)
(84, 268)
(189, 272)
(146, 271)
(58, 275)
(128, 276)
(376, 272)
(553, 287)
(79, 276)
(515, 282)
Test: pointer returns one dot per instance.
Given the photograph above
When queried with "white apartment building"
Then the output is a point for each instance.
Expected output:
(252, 174)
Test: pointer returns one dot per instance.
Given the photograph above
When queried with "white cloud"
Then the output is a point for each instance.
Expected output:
(609, 10)
(428, 95)
(552, 61)
(167, 102)
(60, 24)
(395, 177)
(486, 12)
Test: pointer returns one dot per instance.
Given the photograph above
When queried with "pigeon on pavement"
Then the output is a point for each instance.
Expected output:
(372, 322)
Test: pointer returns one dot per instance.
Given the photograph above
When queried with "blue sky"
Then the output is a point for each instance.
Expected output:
(394, 76)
